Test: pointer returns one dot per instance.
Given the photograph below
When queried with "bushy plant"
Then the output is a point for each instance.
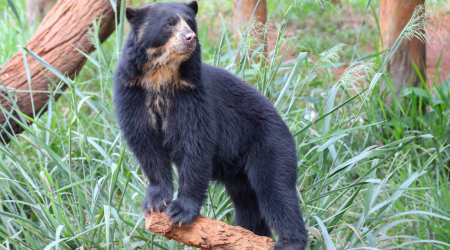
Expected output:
(69, 181)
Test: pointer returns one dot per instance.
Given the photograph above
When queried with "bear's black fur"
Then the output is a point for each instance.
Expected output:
(171, 107)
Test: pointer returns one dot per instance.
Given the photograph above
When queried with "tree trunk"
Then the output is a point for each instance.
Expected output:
(394, 15)
(439, 43)
(243, 10)
(206, 233)
(62, 32)
(37, 9)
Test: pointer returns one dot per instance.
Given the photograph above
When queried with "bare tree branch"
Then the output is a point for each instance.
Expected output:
(206, 233)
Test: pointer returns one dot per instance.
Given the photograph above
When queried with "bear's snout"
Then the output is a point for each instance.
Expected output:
(189, 37)
(188, 41)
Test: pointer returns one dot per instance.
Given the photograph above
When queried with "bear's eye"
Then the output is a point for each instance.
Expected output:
(170, 23)
(189, 21)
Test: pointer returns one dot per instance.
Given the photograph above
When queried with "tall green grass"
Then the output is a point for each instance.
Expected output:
(70, 182)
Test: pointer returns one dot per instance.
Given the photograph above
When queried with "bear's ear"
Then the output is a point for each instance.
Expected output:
(194, 6)
(131, 13)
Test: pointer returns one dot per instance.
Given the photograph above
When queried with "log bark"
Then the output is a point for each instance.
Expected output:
(206, 233)
(440, 40)
(37, 9)
(56, 40)
(394, 15)
(243, 10)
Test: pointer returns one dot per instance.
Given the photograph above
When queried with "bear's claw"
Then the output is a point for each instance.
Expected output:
(182, 213)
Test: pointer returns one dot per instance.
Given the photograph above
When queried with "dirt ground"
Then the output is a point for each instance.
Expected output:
(438, 43)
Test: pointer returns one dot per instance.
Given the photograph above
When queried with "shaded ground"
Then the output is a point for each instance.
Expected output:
(439, 42)
(318, 31)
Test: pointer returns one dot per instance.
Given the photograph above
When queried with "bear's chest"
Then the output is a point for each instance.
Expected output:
(161, 77)
(159, 107)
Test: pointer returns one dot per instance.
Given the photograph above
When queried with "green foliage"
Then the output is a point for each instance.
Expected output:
(69, 181)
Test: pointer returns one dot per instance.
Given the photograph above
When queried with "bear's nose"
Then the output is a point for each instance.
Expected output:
(189, 37)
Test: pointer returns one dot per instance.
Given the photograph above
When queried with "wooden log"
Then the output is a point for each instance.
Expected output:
(394, 15)
(440, 40)
(243, 10)
(37, 9)
(56, 40)
(206, 233)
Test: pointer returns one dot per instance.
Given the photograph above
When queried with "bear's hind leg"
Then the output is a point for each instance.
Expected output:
(247, 214)
(275, 190)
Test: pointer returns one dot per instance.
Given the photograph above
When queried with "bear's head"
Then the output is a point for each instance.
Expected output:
(166, 31)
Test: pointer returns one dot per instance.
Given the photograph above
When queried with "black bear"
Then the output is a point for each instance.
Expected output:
(172, 108)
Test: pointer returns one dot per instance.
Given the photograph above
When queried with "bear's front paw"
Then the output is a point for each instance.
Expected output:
(156, 200)
(182, 212)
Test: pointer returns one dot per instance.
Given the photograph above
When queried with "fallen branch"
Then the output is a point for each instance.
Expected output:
(63, 31)
(206, 233)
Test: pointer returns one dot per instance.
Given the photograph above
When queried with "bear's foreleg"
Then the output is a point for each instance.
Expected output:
(156, 165)
(147, 145)
(193, 142)
(159, 192)
(194, 177)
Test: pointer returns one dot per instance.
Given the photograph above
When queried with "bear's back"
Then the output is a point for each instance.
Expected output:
(232, 92)
(243, 115)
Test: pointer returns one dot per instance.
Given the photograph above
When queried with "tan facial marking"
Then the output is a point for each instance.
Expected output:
(161, 70)
(141, 31)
